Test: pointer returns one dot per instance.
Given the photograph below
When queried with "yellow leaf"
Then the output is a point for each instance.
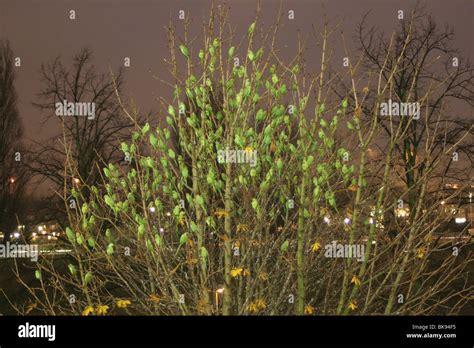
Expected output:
(220, 213)
(123, 303)
(255, 242)
(248, 149)
(224, 237)
(257, 306)
(88, 310)
(101, 309)
(355, 280)
(315, 247)
(154, 298)
(308, 310)
(192, 261)
(260, 303)
(236, 272)
(263, 276)
(182, 218)
(246, 272)
(242, 228)
(353, 188)
(420, 253)
(357, 112)
(252, 308)
(366, 89)
(353, 305)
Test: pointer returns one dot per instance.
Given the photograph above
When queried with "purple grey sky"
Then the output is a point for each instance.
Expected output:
(40, 30)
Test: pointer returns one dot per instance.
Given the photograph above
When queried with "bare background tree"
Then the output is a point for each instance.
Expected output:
(426, 64)
(89, 142)
(12, 174)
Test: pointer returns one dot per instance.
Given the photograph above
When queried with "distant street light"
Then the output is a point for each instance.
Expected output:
(218, 291)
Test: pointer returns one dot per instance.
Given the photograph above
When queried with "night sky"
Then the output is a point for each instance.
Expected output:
(39, 31)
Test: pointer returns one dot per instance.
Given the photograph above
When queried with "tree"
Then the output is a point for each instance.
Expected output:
(195, 229)
(418, 149)
(13, 176)
(85, 144)
(426, 65)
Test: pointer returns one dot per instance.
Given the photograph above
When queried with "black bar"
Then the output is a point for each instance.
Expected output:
(289, 331)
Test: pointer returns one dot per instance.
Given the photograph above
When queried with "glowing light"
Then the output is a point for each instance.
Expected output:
(347, 221)
(16, 235)
(162, 230)
(218, 291)
(402, 212)
(77, 181)
(460, 220)
(168, 214)
(443, 202)
(152, 209)
(12, 180)
(326, 220)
